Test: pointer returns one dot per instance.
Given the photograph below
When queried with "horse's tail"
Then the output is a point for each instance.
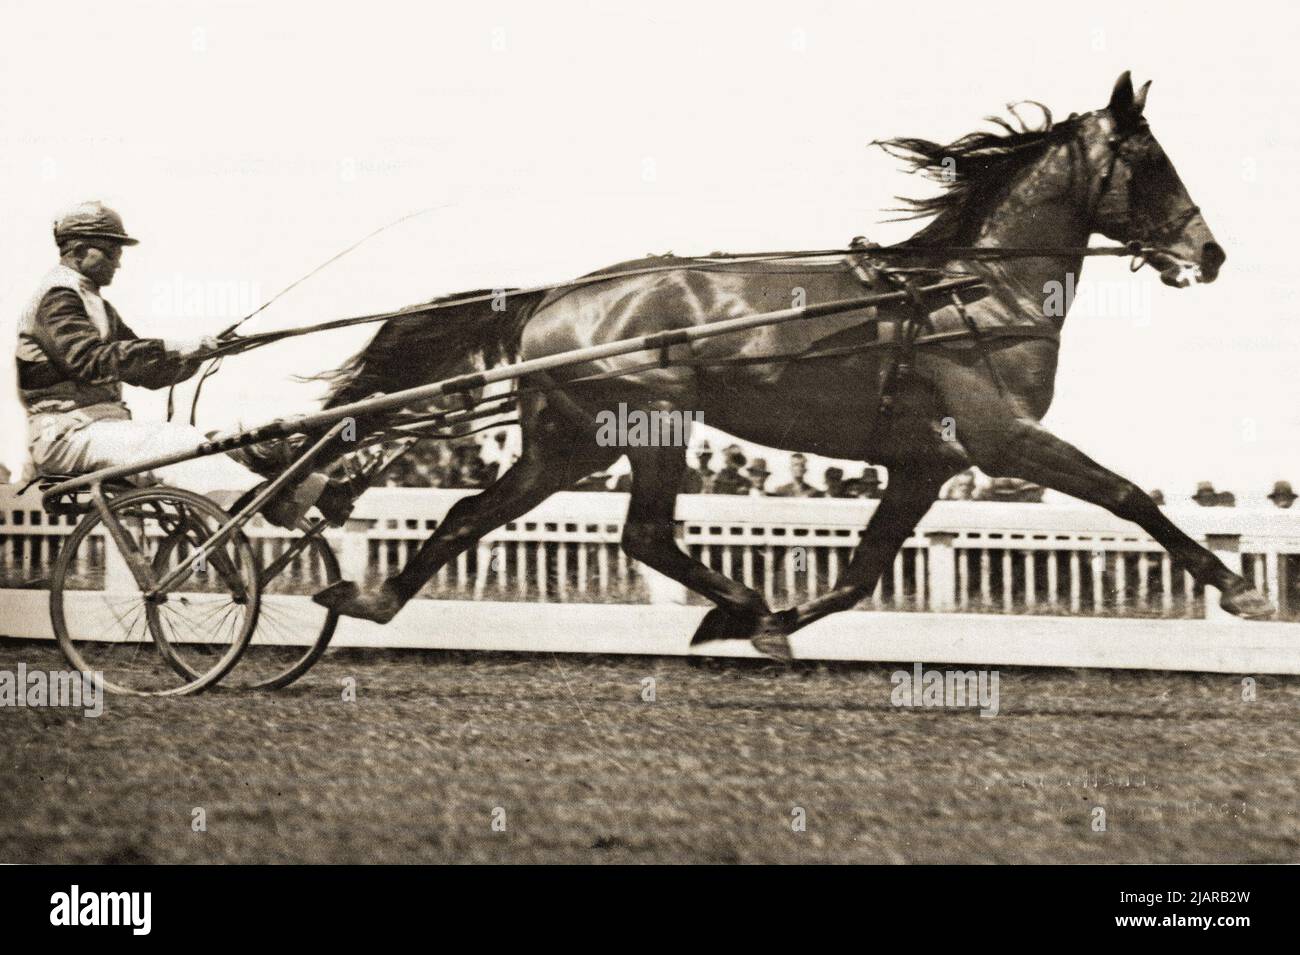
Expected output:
(420, 347)
(426, 346)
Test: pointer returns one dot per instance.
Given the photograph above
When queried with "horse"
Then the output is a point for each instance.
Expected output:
(1016, 207)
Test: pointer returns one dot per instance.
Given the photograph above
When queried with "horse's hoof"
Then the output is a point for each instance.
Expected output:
(1247, 602)
(718, 624)
(772, 636)
(346, 599)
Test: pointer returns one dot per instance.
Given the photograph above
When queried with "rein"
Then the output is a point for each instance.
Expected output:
(1137, 249)
(236, 344)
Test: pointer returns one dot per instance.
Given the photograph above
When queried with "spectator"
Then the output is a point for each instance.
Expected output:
(960, 488)
(729, 480)
(798, 487)
(400, 473)
(496, 452)
(867, 486)
(699, 479)
(1282, 495)
(468, 467)
(421, 472)
(1206, 495)
(1225, 499)
(835, 483)
(758, 474)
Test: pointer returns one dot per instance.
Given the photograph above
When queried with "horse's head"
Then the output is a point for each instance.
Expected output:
(1135, 195)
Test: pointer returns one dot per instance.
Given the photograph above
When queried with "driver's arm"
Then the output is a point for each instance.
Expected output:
(72, 341)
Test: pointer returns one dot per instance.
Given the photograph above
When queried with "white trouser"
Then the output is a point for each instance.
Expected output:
(111, 442)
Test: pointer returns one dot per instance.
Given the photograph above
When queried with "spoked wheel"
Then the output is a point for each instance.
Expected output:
(292, 632)
(179, 642)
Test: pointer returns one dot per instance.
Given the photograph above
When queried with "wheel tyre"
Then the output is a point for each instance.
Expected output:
(332, 574)
(196, 681)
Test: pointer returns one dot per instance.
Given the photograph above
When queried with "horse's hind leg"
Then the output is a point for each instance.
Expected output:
(553, 459)
(648, 537)
(907, 497)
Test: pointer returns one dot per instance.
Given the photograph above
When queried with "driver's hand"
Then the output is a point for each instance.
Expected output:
(190, 348)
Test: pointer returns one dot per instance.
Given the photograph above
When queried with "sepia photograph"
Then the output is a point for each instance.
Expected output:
(691, 433)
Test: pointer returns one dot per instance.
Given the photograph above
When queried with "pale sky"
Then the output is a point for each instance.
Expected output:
(244, 143)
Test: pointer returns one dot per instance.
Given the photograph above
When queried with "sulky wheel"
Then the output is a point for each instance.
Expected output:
(292, 631)
(177, 642)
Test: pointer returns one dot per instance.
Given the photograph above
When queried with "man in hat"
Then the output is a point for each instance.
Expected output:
(758, 474)
(1282, 495)
(1205, 495)
(729, 480)
(869, 484)
(798, 486)
(834, 478)
(74, 355)
(696, 480)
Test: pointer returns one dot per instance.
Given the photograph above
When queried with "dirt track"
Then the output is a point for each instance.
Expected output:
(584, 769)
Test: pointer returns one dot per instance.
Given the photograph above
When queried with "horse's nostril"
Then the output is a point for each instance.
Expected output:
(1212, 256)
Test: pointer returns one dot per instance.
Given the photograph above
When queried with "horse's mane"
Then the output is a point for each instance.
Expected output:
(974, 170)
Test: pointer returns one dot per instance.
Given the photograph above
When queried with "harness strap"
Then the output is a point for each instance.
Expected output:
(978, 336)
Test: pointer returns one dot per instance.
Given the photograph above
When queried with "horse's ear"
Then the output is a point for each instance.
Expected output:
(1140, 100)
(1125, 105)
(1121, 97)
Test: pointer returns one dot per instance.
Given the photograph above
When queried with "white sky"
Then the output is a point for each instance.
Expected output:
(245, 143)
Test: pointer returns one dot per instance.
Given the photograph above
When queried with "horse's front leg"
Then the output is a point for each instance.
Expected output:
(1002, 439)
(1033, 453)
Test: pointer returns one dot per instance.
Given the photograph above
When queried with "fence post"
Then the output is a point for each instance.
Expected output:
(1280, 579)
(1226, 547)
(943, 570)
(661, 589)
(354, 548)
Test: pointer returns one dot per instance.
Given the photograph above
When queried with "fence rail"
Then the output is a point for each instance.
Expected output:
(966, 556)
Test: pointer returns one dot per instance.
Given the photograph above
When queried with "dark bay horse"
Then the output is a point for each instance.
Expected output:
(965, 402)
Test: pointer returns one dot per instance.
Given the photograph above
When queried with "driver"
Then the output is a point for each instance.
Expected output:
(74, 355)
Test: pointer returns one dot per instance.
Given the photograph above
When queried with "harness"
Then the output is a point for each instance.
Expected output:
(908, 327)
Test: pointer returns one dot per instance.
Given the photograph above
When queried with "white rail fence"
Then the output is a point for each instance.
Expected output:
(977, 584)
(966, 556)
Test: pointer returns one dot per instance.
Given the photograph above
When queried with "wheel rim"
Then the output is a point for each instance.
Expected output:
(180, 644)
(292, 631)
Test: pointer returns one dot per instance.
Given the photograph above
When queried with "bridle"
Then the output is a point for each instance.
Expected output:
(1143, 246)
